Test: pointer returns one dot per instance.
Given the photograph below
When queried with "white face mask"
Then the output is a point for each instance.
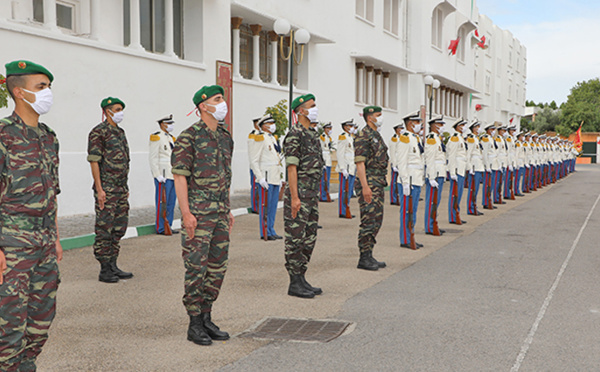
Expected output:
(379, 121)
(43, 101)
(170, 128)
(504, 134)
(480, 131)
(220, 111)
(117, 117)
(417, 128)
(313, 114)
(272, 128)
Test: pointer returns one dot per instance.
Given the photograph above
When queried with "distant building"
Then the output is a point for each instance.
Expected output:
(154, 54)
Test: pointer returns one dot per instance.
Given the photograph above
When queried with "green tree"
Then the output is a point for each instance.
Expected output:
(553, 105)
(546, 120)
(279, 113)
(526, 124)
(583, 105)
(3, 93)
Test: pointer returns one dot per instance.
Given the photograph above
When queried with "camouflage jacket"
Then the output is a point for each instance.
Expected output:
(107, 145)
(370, 148)
(28, 183)
(204, 157)
(303, 149)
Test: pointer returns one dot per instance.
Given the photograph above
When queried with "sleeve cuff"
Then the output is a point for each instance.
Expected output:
(94, 158)
(359, 159)
(181, 172)
(292, 160)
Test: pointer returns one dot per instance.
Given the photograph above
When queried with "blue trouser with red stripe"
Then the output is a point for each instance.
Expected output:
(253, 190)
(324, 187)
(345, 197)
(271, 197)
(487, 184)
(519, 181)
(497, 186)
(169, 188)
(394, 199)
(473, 180)
(404, 212)
(459, 184)
(429, 206)
(508, 174)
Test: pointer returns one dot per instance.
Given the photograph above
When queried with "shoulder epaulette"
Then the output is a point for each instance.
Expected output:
(485, 139)
(509, 139)
(517, 144)
(251, 135)
(404, 138)
(342, 137)
(431, 140)
(323, 137)
(498, 139)
(471, 139)
(394, 138)
(259, 137)
(154, 137)
(454, 138)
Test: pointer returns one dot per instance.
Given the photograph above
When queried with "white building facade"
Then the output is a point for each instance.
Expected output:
(154, 54)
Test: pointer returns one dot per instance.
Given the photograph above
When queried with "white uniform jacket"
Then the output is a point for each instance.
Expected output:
(161, 147)
(457, 155)
(267, 161)
(435, 156)
(345, 154)
(474, 154)
(326, 147)
(410, 160)
(490, 152)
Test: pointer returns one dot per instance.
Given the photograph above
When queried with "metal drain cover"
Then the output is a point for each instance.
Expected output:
(306, 330)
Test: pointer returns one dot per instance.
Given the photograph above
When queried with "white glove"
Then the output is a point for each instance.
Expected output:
(345, 173)
(527, 166)
(324, 167)
(510, 168)
(454, 177)
(406, 189)
(263, 183)
(434, 184)
(472, 172)
(161, 179)
(395, 169)
(489, 170)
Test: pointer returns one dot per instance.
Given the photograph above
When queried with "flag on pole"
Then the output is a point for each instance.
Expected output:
(453, 46)
(577, 141)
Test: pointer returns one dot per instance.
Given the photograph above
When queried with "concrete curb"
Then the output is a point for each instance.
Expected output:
(134, 232)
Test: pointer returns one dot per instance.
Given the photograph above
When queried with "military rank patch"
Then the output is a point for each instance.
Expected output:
(404, 138)
(154, 137)
(430, 141)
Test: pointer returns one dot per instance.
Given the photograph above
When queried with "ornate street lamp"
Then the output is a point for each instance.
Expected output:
(431, 84)
(302, 37)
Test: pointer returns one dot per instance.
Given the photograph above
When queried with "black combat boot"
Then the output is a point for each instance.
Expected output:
(212, 330)
(366, 263)
(316, 290)
(106, 273)
(298, 289)
(381, 264)
(118, 272)
(196, 331)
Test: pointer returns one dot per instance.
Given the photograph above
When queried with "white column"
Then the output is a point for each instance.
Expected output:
(256, 51)
(134, 25)
(274, 57)
(50, 15)
(378, 88)
(169, 48)
(369, 90)
(386, 89)
(360, 97)
(236, 22)
(95, 20)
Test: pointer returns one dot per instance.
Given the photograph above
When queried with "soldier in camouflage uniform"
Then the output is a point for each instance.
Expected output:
(108, 154)
(371, 157)
(304, 162)
(29, 244)
(201, 163)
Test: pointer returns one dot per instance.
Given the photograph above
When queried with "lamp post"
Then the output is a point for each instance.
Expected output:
(302, 37)
(431, 84)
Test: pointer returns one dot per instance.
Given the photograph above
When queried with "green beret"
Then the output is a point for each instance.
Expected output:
(371, 110)
(23, 67)
(206, 92)
(111, 101)
(300, 100)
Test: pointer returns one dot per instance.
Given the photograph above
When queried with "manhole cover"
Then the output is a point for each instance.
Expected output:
(297, 330)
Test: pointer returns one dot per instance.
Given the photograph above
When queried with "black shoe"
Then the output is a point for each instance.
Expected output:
(118, 272)
(297, 288)
(316, 290)
(212, 330)
(417, 246)
(270, 237)
(196, 331)
(277, 237)
(381, 264)
(175, 232)
(366, 263)
(519, 195)
(430, 233)
(461, 222)
(107, 275)
(319, 227)
(442, 231)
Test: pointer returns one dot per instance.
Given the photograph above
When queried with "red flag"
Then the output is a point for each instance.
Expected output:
(511, 120)
(478, 107)
(577, 141)
(453, 46)
(482, 43)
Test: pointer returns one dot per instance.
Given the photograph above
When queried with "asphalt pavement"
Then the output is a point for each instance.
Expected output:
(467, 301)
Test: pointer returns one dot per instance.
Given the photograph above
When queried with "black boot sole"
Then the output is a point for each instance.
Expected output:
(369, 268)
(120, 276)
(203, 343)
(220, 338)
(116, 280)
(302, 295)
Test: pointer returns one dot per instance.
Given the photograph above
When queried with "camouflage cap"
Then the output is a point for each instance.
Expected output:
(22, 67)
(371, 110)
(111, 101)
(300, 100)
(206, 92)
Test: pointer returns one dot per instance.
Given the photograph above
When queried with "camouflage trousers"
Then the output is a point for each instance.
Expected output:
(205, 256)
(300, 232)
(371, 217)
(111, 225)
(27, 305)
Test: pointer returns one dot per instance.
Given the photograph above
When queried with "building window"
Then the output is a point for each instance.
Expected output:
(510, 92)
(65, 13)
(488, 80)
(365, 9)
(153, 25)
(390, 13)
(437, 25)
(462, 44)
(38, 11)
(283, 67)
(265, 56)
(246, 52)
(498, 67)
(510, 57)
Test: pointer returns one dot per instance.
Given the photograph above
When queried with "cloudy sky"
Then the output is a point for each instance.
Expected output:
(562, 39)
